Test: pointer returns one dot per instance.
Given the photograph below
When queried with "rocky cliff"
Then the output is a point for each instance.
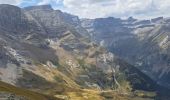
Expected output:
(49, 52)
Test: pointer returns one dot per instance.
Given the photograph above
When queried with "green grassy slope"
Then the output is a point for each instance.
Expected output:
(4, 87)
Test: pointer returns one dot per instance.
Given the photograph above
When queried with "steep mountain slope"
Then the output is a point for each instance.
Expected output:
(10, 92)
(156, 52)
(143, 43)
(43, 50)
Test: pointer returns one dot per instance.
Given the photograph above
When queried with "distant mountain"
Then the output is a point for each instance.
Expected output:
(51, 52)
(143, 43)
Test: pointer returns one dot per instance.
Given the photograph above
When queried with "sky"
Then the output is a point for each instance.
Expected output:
(103, 8)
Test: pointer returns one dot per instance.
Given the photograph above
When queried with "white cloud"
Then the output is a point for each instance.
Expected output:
(105, 8)
(42, 2)
(13, 2)
(117, 8)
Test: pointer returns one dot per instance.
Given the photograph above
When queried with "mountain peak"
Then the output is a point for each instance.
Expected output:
(157, 19)
(40, 7)
(7, 6)
(131, 19)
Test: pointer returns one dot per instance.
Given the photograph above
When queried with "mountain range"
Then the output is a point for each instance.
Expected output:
(47, 54)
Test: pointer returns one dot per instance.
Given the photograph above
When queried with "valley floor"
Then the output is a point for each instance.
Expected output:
(13, 93)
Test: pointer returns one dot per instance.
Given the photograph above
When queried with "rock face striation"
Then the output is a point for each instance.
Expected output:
(143, 43)
(58, 54)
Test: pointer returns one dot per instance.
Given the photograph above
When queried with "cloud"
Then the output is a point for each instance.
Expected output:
(103, 8)
(117, 8)
(13, 2)
(42, 2)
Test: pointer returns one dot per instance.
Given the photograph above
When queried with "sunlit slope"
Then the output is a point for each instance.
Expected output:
(30, 95)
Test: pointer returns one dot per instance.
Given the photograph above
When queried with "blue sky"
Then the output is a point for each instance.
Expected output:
(56, 4)
(103, 8)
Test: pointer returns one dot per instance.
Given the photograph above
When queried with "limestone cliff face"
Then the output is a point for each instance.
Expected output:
(143, 43)
(49, 51)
